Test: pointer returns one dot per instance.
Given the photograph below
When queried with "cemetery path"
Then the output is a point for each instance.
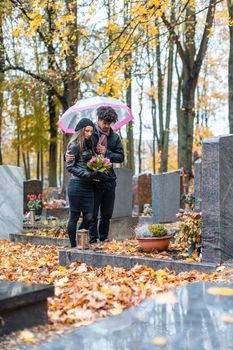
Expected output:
(84, 294)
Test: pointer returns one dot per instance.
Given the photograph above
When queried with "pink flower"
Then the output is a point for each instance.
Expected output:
(92, 160)
(106, 161)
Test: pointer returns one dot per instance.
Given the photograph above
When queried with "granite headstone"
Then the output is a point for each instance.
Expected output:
(31, 187)
(124, 195)
(141, 192)
(217, 198)
(11, 200)
(165, 196)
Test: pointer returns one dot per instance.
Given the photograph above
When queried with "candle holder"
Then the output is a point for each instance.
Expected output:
(82, 237)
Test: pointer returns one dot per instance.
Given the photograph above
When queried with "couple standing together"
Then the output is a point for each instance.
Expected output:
(92, 192)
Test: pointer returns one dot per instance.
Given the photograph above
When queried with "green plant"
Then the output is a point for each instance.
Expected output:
(157, 230)
(190, 227)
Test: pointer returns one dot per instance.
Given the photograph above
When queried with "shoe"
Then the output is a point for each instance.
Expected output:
(104, 240)
(93, 240)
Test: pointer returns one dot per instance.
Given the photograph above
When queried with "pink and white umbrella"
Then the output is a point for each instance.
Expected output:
(87, 108)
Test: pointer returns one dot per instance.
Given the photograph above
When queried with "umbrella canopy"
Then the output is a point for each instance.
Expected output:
(86, 108)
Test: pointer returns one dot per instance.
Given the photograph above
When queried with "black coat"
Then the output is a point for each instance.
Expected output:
(114, 152)
(78, 167)
(81, 187)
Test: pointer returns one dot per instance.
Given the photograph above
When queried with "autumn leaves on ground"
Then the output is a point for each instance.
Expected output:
(84, 294)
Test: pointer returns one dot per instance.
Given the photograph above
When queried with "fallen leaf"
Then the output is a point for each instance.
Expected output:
(223, 291)
(166, 298)
(227, 318)
(159, 341)
(27, 337)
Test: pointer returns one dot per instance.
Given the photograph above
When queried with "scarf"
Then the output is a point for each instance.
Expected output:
(103, 136)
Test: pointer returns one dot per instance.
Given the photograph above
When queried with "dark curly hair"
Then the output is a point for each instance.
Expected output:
(107, 114)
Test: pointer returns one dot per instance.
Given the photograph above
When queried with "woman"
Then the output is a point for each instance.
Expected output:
(80, 188)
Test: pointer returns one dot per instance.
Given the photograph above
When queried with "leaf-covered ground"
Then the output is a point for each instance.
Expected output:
(131, 247)
(84, 294)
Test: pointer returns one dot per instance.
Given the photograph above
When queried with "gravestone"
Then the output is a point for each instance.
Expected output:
(23, 305)
(217, 198)
(11, 200)
(165, 196)
(141, 192)
(124, 195)
(31, 187)
(197, 184)
(189, 318)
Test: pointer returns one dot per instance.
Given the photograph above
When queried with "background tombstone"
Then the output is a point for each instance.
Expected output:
(165, 196)
(197, 184)
(11, 200)
(31, 187)
(141, 192)
(124, 193)
(217, 198)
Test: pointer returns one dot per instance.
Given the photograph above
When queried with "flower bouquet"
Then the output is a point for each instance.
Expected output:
(35, 202)
(99, 163)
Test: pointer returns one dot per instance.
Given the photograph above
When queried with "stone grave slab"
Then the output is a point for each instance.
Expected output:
(23, 305)
(192, 319)
(124, 193)
(11, 200)
(100, 259)
(217, 198)
(165, 196)
(120, 228)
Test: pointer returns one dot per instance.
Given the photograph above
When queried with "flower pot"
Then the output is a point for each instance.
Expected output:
(148, 244)
(32, 216)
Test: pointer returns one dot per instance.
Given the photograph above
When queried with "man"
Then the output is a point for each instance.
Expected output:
(107, 143)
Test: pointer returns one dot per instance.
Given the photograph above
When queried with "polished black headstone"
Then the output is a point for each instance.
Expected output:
(23, 305)
(195, 322)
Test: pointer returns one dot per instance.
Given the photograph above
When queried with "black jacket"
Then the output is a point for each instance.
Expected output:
(78, 167)
(114, 152)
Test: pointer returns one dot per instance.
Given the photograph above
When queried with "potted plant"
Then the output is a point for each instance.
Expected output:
(35, 202)
(153, 237)
(189, 229)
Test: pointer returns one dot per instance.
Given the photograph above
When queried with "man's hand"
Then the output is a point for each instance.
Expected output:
(69, 157)
(101, 149)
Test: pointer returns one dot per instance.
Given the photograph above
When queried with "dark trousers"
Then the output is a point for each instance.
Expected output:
(72, 225)
(104, 204)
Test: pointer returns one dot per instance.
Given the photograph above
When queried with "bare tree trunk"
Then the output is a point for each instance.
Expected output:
(160, 92)
(38, 165)
(140, 128)
(192, 63)
(130, 148)
(27, 175)
(128, 78)
(178, 107)
(153, 110)
(2, 65)
(230, 67)
(41, 166)
(53, 141)
(71, 83)
(166, 131)
(18, 133)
